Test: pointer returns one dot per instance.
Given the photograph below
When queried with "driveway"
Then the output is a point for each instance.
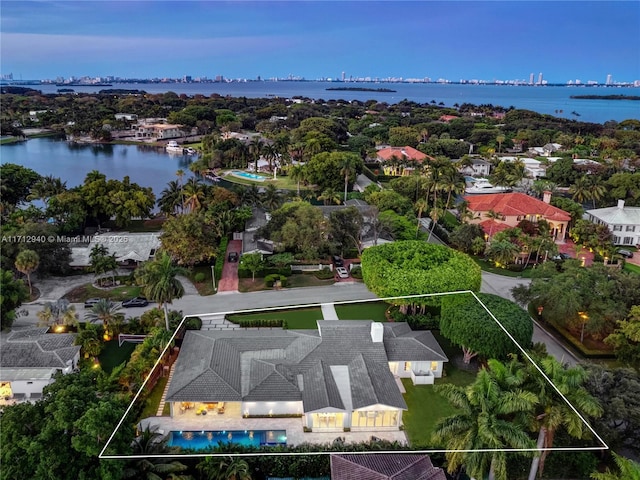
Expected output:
(229, 280)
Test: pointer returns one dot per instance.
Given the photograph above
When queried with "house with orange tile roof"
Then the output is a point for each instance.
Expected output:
(398, 161)
(447, 118)
(513, 208)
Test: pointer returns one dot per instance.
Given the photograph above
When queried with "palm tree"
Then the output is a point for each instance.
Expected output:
(598, 189)
(297, 174)
(347, 168)
(420, 205)
(553, 411)
(271, 198)
(453, 182)
(60, 312)
(500, 139)
(329, 196)
(224, 468)
(27, 262)
(255, 149)
(581, 190)
(46, 188)
(503, 251)
(194, 195)
(270, 153)
(159, 282)
(180, 174)
(484, 421)
(436, 213)
(107, 312)
(150, 443)
(171, 199)
(628, 470)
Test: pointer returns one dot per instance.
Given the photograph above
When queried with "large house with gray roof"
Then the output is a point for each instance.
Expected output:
(342, 375)
(30, 358)
(623, 222)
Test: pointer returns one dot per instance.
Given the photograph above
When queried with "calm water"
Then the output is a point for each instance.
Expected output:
(205, 439)
(548, 100)
(146, 166)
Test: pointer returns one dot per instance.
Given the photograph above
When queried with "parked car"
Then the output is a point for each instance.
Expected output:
(562, 256)
(337, 261)
(233, 256)
(625, 253)
(90, 302)
(342, 272)
(135, 302)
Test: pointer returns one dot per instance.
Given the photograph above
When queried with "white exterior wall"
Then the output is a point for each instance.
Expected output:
(272, 408)
(28, 387)
(398, 368)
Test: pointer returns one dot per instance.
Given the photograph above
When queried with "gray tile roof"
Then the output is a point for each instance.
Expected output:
(288, 365)
(34, 348)
(384, 466)
(404, 344)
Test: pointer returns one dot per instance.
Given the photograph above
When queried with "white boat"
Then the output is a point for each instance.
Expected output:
(174, 147)
(482, 185)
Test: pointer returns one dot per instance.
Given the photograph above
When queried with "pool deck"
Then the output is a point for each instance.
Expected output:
(233, 421)
(247, 176)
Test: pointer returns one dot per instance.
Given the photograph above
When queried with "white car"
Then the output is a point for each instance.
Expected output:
(342, 272)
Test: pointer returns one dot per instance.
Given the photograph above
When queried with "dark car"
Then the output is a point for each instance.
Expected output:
(233, 256)
(562, 256)
(625, 253)
(337, 261)
(90, 302)
(135, 302)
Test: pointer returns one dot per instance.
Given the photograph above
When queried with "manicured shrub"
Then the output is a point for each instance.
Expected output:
(324, 274)
(356, 272)
(199, 277)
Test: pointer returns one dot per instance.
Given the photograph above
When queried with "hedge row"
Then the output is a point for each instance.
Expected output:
(222, 252)
(260, 322)
(263, 272)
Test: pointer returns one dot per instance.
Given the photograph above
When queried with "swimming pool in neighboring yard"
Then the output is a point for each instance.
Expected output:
(199, 440)
(248, 176)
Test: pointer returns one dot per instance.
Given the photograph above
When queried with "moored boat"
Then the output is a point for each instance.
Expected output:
(174, 147)
(483, 186)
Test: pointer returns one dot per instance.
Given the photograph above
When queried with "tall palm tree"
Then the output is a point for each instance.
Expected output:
(297, 174)
(60, 312)
(452, 182)
(598, 190)
(27, 262)
(420, 206)
(347, 168)
(46, 188)
(255, 149)
(483, 422)
(193, 195)
(270, 153)
(159, 282)
(553, 411)
(171, 199)
(503, 251)
(180, 174)
(107, 312)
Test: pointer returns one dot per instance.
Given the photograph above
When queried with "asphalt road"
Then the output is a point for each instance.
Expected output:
(226, 302)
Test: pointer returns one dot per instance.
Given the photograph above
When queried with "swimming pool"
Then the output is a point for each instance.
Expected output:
(199, 440)
(248, 176)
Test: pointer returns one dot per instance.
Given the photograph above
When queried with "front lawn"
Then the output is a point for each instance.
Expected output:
(112, 355)
(205, 287)
(487, 266)
(117, 294)
(363, 311)
(630, 267)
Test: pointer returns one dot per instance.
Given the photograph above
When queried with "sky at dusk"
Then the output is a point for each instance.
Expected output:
(496, 40)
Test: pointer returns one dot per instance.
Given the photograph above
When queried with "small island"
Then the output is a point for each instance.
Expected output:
(606, 97)
(361, 89)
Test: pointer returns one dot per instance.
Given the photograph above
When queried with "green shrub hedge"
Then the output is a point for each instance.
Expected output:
(324, 274)
(270, 280)
(356, 272)
(260, 322)
(263, 272)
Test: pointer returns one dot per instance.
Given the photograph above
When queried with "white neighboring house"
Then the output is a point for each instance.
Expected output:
(30, 358)
(129, 248)
(623, 222)
(479, 167)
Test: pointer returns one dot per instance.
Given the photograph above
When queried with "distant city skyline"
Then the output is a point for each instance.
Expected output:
(530, 42)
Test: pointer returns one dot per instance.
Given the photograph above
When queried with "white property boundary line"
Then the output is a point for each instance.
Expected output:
(102, 454)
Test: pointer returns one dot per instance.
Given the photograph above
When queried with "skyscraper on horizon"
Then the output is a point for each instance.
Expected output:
(539, 79)
(609, 79)
(531, 77)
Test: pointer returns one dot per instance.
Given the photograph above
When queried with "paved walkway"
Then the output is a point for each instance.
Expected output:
(329, 311)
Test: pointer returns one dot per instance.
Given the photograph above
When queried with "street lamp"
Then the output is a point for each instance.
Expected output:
(213, 278)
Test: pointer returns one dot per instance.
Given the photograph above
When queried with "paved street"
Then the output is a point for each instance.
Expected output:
(227, 302)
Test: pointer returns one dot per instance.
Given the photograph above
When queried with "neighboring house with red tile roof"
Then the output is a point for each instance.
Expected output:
(397, 161)
(384, 466)
(447, 118)
(515, 207)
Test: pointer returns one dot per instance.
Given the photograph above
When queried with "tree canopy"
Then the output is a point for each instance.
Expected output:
(466, 323)
(414, 267)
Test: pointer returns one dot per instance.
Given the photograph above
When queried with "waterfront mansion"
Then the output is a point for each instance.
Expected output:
(344, 375)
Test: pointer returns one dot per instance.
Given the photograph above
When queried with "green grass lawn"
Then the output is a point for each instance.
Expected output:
(306, 280)
(630, 267)
(113, 355)
(363, 311)
(489, 267)
(206, 286)
(153, 400)
(117, 294)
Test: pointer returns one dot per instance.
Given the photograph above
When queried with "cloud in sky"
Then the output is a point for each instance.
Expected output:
(455, 39)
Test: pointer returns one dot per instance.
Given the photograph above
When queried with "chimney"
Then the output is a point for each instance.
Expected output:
(620, 204)
(546, 196)
(377, 331)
